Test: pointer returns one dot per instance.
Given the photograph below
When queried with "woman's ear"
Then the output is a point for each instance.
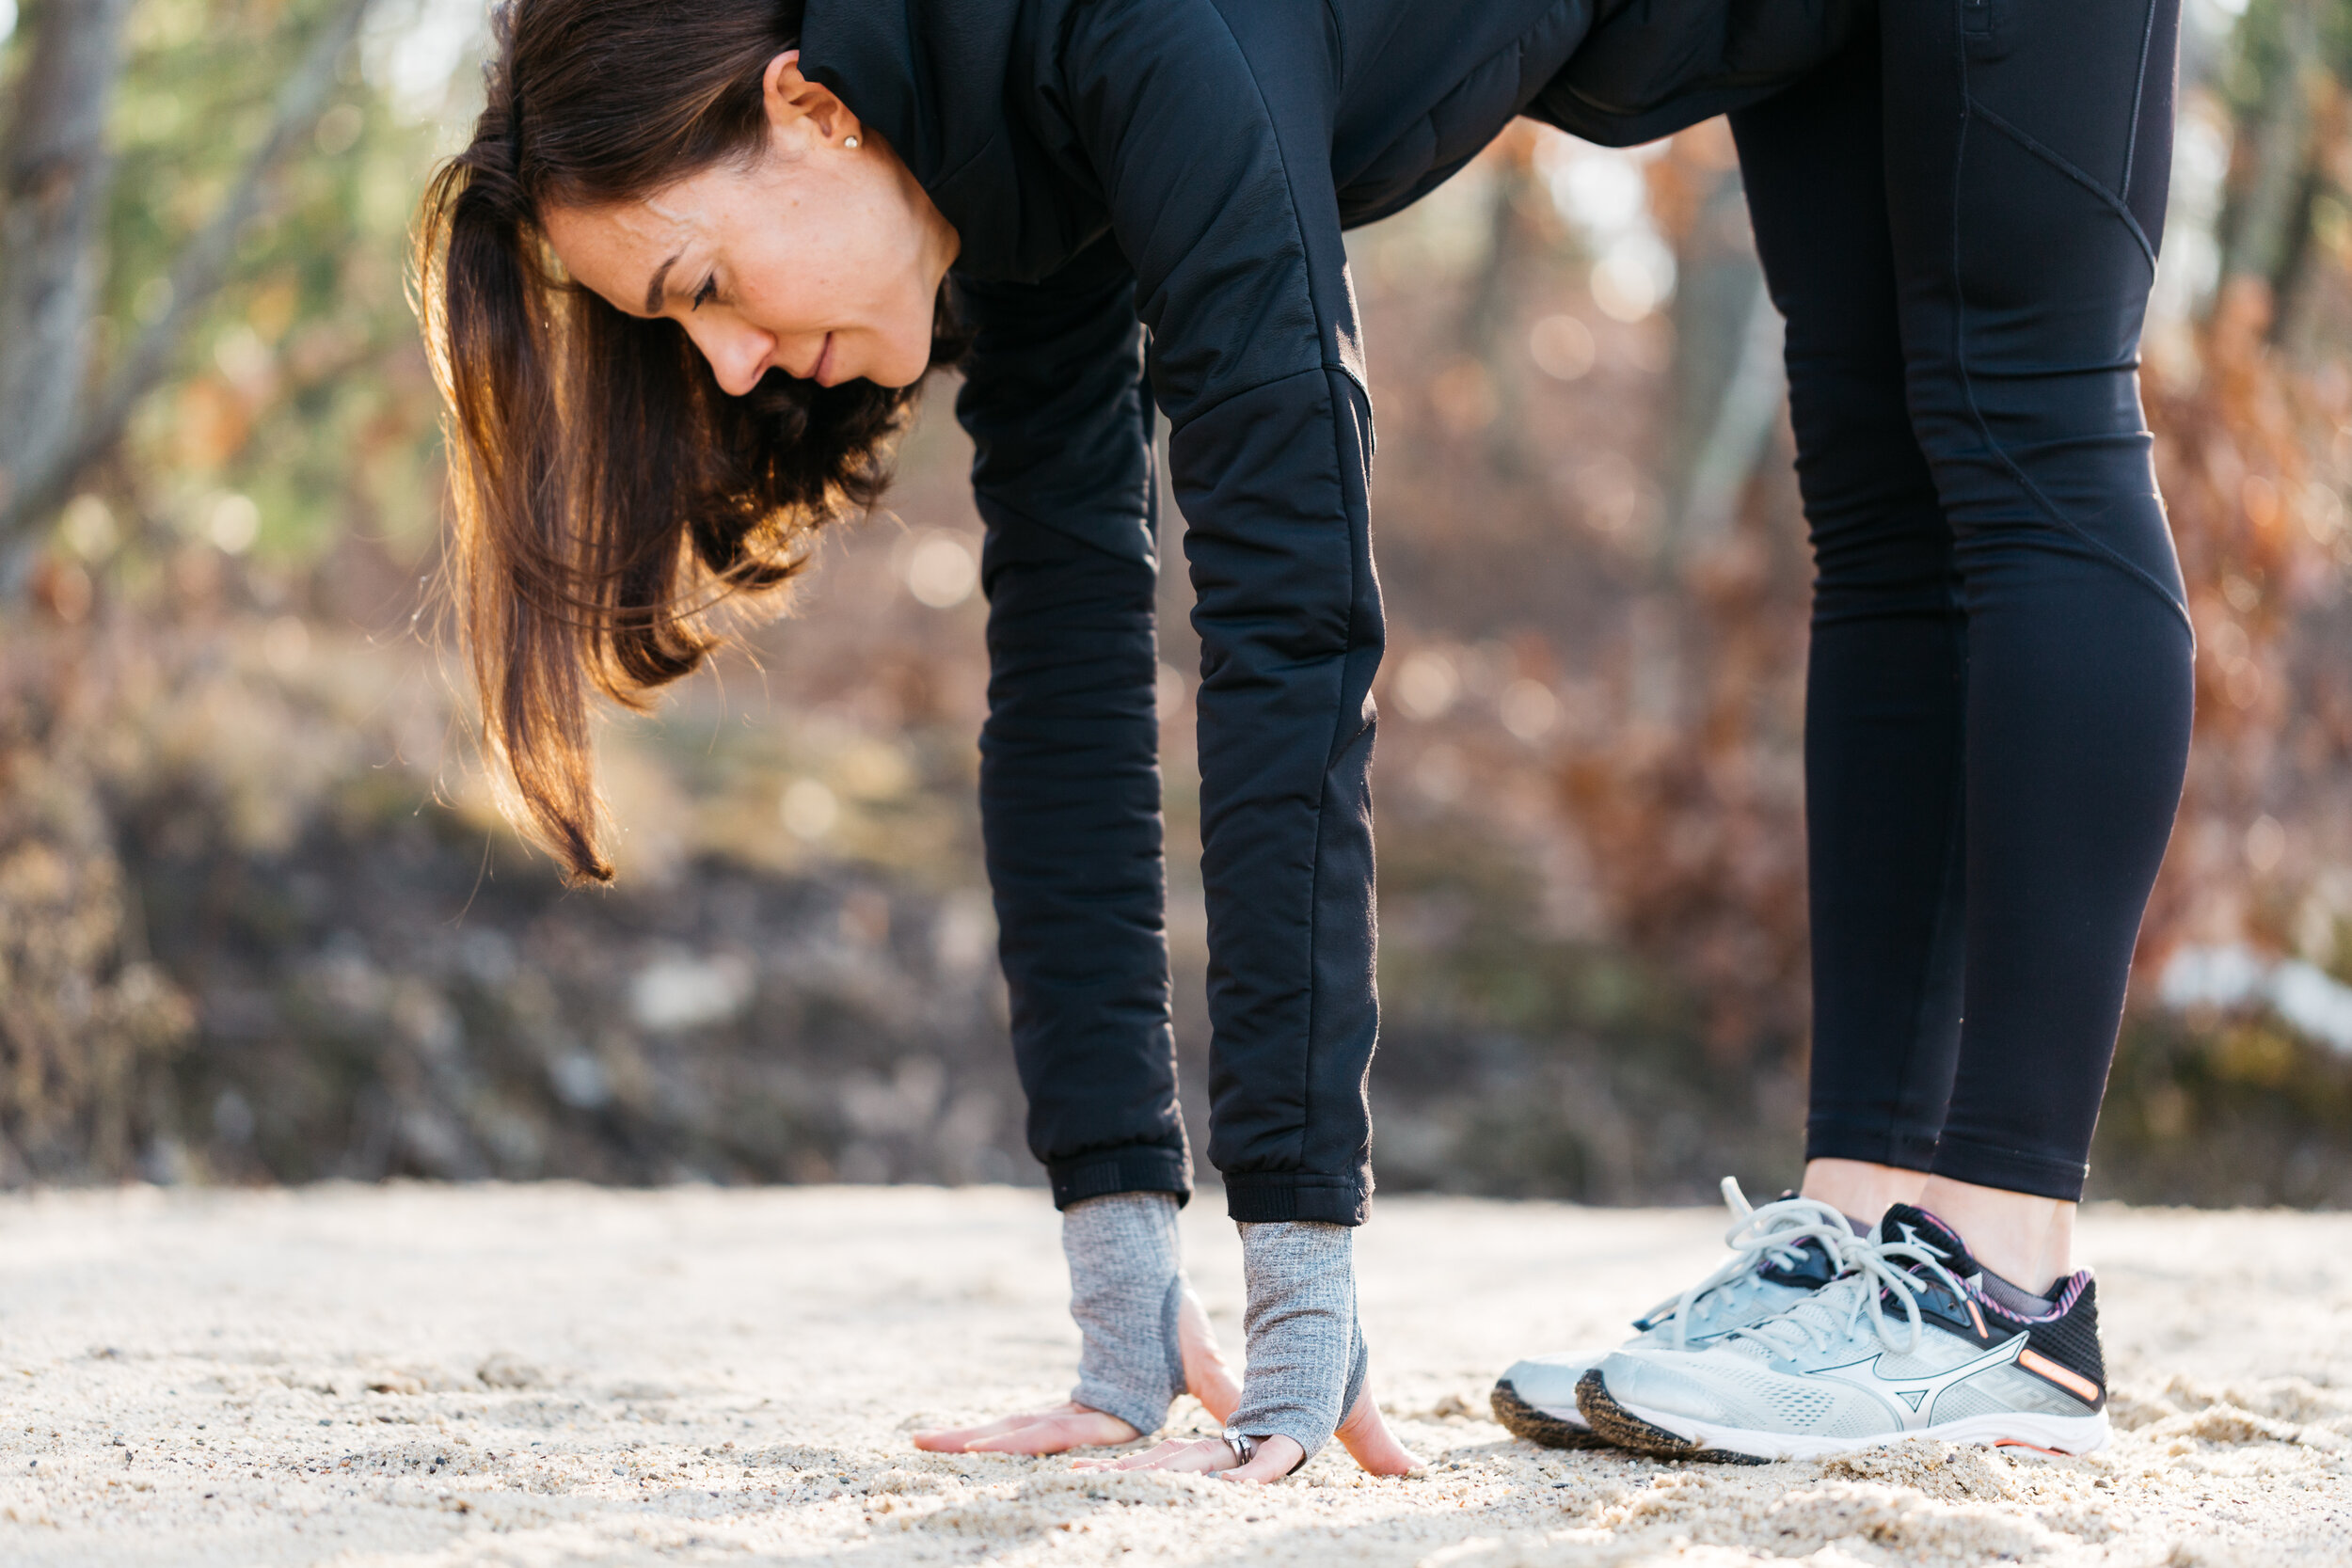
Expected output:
(792, 99)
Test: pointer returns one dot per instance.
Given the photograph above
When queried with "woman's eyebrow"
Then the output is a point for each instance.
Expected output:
(660, 277)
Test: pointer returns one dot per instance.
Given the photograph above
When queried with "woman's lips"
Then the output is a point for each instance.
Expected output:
(824, 360)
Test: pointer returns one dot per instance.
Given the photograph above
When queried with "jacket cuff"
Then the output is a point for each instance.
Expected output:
(1258, 1197)
(1137, 1169)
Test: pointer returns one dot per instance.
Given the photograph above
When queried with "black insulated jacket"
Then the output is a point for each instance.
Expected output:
(1150, 196)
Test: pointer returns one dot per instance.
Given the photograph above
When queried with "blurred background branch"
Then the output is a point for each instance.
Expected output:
(58, 167)
(58, 174)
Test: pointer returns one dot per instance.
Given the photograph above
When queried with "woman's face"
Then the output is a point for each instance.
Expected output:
(818, 258)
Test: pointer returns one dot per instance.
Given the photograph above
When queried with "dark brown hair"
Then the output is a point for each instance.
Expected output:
(608, 496)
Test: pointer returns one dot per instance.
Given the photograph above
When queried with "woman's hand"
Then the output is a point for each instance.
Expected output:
(1364, 1435)
(1063, 1426)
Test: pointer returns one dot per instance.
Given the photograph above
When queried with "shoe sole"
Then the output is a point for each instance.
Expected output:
(1621, 1428)
(1649, 1432)
(1522, 1419)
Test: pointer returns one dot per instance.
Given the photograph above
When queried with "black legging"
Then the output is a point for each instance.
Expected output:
(1958, 220)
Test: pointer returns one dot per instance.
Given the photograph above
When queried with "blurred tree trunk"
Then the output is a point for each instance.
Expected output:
(57, 170)
(1516, 244)
(87, 1022)
(1726, 386)
(2264, 229)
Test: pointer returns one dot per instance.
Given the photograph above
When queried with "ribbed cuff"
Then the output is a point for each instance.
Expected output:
(1139, 1411)
(1137, 1169)
(2012, 1170)
(1870, 1140)
(1261, 1196)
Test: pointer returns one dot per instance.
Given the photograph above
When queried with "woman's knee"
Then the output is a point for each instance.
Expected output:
(1878, 538)
(2031, 468)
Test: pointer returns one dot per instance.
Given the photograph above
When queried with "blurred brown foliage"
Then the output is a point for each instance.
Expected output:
(89, 1020)
(2252, 457)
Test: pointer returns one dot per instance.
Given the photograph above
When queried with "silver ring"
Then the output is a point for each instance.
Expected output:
(1244, 1446)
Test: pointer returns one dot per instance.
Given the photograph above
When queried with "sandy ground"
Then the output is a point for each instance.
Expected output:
(555, 1375)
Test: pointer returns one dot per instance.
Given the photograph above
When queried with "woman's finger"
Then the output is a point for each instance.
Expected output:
(1057, 1434)
(1191, 1455)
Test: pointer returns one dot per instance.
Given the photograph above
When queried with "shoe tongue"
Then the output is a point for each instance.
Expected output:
(1812, 1265)
(1907, 1223)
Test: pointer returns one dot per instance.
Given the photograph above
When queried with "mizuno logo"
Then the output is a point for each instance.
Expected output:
(1913, 1394)
(1910, 1238)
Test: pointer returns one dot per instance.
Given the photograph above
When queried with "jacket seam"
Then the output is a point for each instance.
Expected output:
(1339, 42)
(1029, 517)
(1223, 398)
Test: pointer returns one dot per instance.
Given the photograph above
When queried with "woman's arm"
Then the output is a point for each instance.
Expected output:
(1053, 400)
(1209, 129)
(1070, 781)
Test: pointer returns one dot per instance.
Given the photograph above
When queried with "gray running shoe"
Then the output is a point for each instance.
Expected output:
(1833, 1372)
(1785, 1252)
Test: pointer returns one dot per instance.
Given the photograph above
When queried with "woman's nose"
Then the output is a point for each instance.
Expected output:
(739, 354)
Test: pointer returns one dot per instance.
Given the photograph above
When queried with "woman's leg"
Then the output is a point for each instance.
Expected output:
(2027, 154)
(1887, 671)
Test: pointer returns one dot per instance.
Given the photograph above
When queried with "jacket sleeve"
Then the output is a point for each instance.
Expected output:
(1053, 399)
(1207, 124)
(1069, 782)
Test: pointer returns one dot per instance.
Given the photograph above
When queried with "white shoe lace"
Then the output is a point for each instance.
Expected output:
(1772, 1234)
(1867, 1271)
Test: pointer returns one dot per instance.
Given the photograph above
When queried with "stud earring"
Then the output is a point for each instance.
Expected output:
(849, 142)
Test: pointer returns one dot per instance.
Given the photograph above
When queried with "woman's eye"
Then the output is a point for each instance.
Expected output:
(708, 290)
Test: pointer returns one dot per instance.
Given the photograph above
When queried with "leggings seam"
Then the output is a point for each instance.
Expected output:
(2065, 166)
(1970, 109)
(2140, 93)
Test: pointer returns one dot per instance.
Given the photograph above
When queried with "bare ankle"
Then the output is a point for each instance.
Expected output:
(2026, 1240)
(1859, 1188)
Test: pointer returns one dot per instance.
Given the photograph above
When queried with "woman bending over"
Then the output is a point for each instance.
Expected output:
(679, 290)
